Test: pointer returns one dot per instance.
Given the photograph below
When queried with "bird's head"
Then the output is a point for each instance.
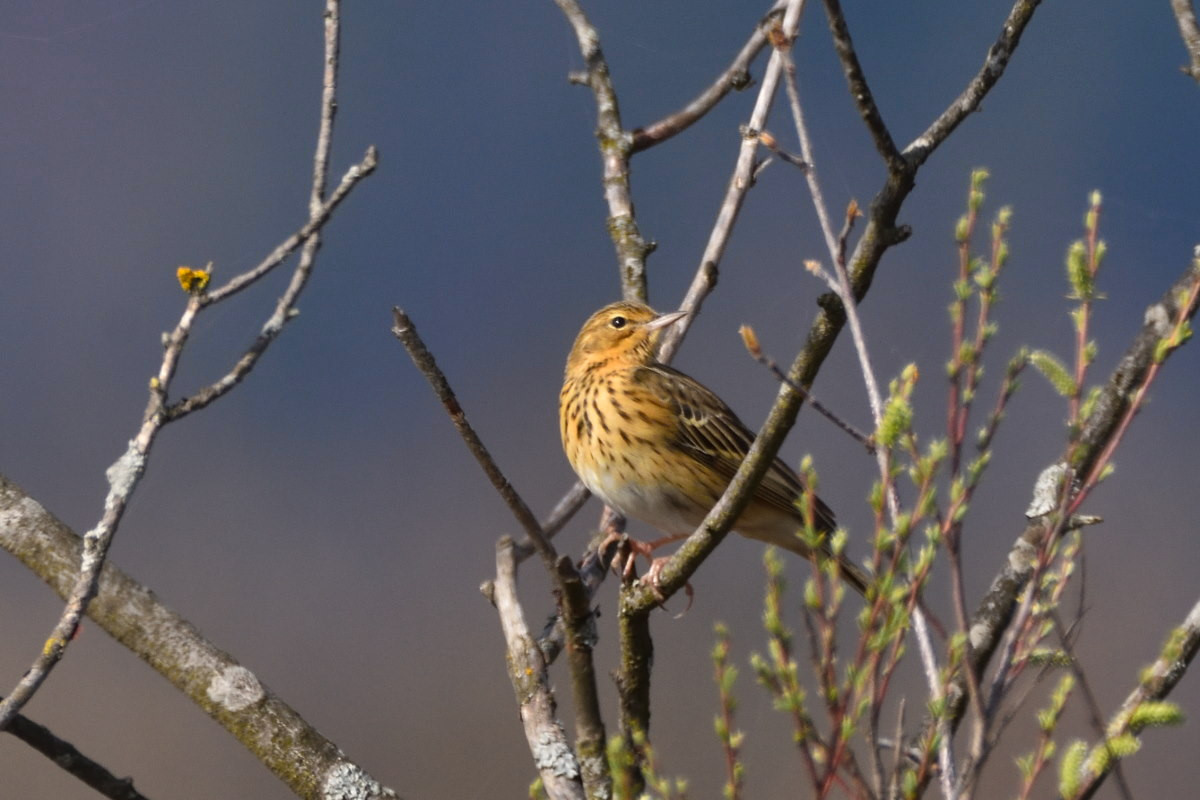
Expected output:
(618, 334)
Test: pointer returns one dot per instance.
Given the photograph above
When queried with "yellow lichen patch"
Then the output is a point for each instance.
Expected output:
(194, 281)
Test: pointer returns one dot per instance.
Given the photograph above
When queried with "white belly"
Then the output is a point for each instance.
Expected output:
(666, 508)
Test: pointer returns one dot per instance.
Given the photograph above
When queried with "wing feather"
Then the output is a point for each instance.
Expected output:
(711, 432)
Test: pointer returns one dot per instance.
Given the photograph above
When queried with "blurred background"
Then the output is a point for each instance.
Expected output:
(324, 523)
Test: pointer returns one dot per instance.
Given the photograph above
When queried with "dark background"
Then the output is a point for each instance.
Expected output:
(324, 524)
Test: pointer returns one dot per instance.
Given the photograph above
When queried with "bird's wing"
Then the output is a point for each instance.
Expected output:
(712, 433)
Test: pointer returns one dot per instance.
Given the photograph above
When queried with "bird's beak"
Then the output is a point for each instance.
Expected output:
(664, 320)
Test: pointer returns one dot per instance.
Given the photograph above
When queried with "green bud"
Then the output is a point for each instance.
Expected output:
(1155, 715)
(1070, 769)
(962, 229)
(1054, 371)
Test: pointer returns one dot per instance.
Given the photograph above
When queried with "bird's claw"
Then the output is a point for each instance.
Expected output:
(624, 563)
(651, 581)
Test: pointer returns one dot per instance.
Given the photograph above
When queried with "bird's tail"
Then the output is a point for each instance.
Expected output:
(788, 538)
(854, 575)
(851, 573)
(784, 531)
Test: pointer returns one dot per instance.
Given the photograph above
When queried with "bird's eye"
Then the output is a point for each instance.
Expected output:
(618, 322)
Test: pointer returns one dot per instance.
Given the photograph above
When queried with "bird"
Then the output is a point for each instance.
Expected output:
(658, 446)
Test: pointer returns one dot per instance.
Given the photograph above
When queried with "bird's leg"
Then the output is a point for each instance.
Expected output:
(612, 523)
(645, 549)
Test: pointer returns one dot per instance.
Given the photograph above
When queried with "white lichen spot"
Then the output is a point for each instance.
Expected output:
(124, 472)
(1045, 490)
(551, 753)
(595, 765)
(235, 688)
(978, 635)
(345, 781)
(1159, 319)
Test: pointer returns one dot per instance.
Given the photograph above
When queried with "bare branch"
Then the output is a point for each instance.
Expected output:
(859, 89)
(881, 231)
(615, 147)
(406, 332)
(993, 67)
(284, 307)
(288, 246)
(333, 23)
(123, 477)
(592, 571)
(705, 279)
(751, 341)
(575, 614)
(735, 76)
(228, 692)
(547, 740)
(1185, 15)
(579, 625)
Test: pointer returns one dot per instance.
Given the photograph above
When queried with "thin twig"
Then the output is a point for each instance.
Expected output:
(615, 147)
(767, 140)
(750, 339)
(727, 733)
(123, 477)
(406, 332)
(843, 288)
(576, 628)
(705, 279)
(285, 307)
(962, 391)
(859, 89)
(67, 757)
(329, 76)
(362, 169)
(993, 67)
(735, 76)
(893, 791)
(1185, 16)
(840, 283)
